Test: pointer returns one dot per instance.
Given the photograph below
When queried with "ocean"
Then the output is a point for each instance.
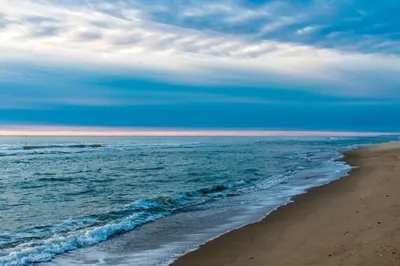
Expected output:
(147, 201)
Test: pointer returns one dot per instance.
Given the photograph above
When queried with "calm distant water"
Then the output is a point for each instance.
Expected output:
(62, 198)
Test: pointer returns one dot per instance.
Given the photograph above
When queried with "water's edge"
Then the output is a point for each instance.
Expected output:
(290, 200)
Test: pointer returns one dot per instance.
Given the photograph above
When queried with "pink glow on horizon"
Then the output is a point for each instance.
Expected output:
(162, 132)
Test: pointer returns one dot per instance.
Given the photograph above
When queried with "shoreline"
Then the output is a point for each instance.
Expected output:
(293, 233)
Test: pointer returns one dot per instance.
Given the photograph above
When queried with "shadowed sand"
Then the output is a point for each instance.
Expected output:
(352, 221)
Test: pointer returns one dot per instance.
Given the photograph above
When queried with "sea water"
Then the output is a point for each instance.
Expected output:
(146, 201)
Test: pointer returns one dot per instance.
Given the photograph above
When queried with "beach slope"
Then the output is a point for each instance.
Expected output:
(352, 221)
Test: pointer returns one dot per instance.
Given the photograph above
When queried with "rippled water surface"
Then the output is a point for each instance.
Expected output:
(60, 196)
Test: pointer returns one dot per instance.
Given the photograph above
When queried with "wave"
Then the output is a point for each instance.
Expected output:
(186, 199)
(45, 250)
(37, 148)
(55, 179)
(7, 154)
(156, 168)
(173, 144)
(77, 146)
(88, 231)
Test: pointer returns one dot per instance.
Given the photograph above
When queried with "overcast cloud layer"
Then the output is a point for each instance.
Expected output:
(232, 56)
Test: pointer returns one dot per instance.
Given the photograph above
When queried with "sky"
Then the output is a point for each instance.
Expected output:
(305, 65)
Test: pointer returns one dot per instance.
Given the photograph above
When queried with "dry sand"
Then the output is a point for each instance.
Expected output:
(352, 221)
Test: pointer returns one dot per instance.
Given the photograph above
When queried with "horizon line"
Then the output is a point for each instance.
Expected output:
(26, 130)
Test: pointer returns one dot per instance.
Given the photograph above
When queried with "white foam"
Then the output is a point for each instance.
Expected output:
(45, 250)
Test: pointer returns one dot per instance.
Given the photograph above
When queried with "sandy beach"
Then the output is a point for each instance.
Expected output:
(352, 221)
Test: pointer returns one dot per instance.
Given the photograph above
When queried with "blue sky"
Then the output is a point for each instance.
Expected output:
(222, 64)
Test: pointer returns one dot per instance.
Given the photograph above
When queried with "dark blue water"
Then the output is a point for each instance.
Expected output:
(60, 197)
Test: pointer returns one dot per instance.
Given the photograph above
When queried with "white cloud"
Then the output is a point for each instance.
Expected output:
(307, 30)
(120, 35)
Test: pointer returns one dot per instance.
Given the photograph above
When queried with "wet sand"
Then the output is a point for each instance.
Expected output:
(352, 221)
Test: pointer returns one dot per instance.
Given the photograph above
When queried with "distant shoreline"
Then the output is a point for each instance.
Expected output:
(354, 220)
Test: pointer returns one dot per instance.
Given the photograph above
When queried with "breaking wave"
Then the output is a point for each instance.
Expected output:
(88, 231)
